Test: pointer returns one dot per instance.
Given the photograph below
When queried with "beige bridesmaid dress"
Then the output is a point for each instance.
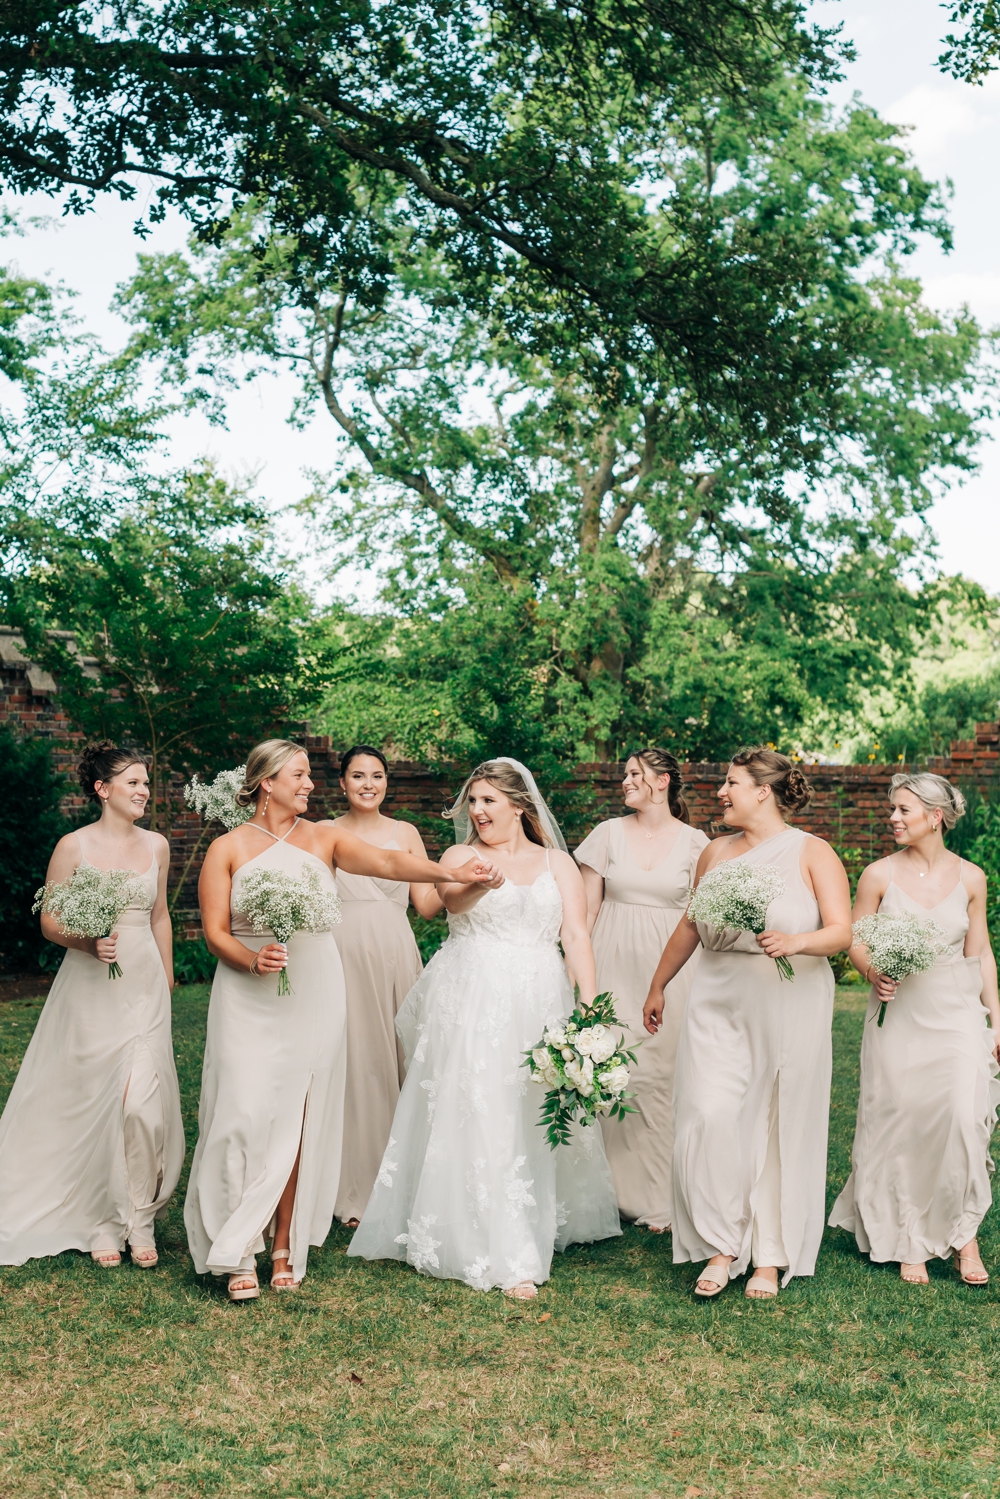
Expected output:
(752, 1090)
(381, 965)
(641, 907)
(91, 1140)
(273, 1077)
(920, 1180)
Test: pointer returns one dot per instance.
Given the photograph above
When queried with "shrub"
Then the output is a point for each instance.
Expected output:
(193, 963)
(32, 822)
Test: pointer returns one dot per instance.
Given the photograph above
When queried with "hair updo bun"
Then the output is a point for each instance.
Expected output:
(263, 762)
(99, 762)
(789, 785)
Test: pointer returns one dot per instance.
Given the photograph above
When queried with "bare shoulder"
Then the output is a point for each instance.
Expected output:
(67, 847)
(409, 837)
(715, 851)
(875, 879)
(160, 843)
(561, 863)
(457, 855)
(973, 878)
(820, 854)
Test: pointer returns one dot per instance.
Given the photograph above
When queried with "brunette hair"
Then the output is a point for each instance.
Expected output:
(361, 749)
(99, 762)
(264, 760)
(789, 787)
(662, 763)
(510, 781)
(935, 792)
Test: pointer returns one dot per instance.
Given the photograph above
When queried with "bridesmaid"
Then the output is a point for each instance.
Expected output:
(271, 1116)
(752, 1086)
(381, 965)
(637, 872)
(920, 1180)
(91, 1141)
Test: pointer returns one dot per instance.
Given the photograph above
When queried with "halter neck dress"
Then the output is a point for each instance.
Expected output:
(640, 910)
(381, 965)
(752, 1089)
(920, 1165)
(273, 1077)
(468, 1188)
(91, 1140)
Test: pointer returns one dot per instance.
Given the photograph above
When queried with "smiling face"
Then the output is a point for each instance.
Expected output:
(493, 815)
(638, 785)
(910, 820)
(741, 797)
(290, 788)
(365, 783)
(126, 793)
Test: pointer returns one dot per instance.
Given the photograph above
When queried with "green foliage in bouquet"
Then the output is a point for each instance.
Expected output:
(585, 1067)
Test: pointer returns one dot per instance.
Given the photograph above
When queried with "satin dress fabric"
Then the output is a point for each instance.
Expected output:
(920, 1165)
(752, 1090)
(469, 1188)
(640, 910)
(381, 965)
(273, 1077)
(91, 1140)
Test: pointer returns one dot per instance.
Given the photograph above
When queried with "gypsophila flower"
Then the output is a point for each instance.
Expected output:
(282, 904)
(899, 946)
(566, 1061)
(217, 802)
(736, 895)
(90, 902)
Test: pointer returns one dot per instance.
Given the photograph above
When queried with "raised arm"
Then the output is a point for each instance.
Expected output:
(575, 931)
(355, 856)
(461, 896)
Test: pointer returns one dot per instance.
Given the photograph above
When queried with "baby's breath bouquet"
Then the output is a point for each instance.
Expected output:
(585, 1067)
(899, 946)
(217, 802)
(90, 902)
(283, 904)
(736, 895)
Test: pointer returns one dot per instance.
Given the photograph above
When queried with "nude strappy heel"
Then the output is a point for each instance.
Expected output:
(959, 1260)
(243, 1293)
(108, 1259)
(286, 1274)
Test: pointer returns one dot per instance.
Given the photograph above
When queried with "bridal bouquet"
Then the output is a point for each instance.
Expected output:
(736, 895)
(217, 802)
(284, 904)
(90, 902)
(899, 946)
(585, 1067)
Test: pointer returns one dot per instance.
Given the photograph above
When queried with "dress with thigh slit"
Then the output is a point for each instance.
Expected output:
(752, 1090)
(91, 1141)
(920, 1165)
(273, 1077)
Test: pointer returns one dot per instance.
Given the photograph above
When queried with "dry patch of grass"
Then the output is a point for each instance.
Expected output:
(377, 1382)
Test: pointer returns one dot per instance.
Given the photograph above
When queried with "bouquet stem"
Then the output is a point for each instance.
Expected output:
(114, 971)
(284, 987)
(881, 1012)
(785, 969)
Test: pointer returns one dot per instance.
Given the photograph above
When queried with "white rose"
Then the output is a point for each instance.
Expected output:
(605, 1046)
(581, 1076)
(568, 1053)
(615, 1080)
(541, 1058)
(585, 1040)
(555, 1036)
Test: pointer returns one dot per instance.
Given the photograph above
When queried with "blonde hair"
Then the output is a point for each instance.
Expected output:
(264, 760)
(506, 779)
(937, 794)
(789, 786)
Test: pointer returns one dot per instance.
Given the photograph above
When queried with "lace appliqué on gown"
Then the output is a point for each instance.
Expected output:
(475, 1193)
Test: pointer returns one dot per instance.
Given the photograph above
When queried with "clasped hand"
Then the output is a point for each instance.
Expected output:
(780, 944)
(482, 872)
(106, 948)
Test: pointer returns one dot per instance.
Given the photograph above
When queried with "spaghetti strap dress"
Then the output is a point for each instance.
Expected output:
(91, 1140)
(640, 910)
(273, 1078)
(752, 1090)
(381, 966)
(920, 1165)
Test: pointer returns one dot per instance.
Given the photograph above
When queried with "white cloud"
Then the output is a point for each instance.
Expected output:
(942, 114)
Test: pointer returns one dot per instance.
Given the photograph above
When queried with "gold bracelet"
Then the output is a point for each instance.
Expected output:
(868, 975)
(253, 966)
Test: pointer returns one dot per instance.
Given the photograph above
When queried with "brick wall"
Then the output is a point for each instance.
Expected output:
(848, 807)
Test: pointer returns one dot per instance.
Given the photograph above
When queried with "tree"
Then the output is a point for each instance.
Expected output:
(32, 824)
(201, 644)
(568, 573)
(971, 54)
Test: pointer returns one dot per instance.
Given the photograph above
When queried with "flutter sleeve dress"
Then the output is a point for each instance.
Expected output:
(920, 1180)
(273, 1077)
(752, 1090)
(381, 966)
(91, 1140)
(640, 910)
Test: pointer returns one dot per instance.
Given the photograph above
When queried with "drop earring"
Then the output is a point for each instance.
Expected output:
(266, 800)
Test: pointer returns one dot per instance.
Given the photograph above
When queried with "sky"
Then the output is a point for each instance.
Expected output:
(955, 135)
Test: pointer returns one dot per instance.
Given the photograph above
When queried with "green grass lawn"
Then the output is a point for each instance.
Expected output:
(377, 1382)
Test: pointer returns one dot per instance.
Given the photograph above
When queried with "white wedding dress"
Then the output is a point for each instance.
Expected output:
(469, 1188)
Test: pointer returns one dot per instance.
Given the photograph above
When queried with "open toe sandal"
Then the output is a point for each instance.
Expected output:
(243, 1292)
(759, 1288)
(718, 1275)
(279, 1256)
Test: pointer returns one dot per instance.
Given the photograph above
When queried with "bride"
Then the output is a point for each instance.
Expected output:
(469, 1188)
